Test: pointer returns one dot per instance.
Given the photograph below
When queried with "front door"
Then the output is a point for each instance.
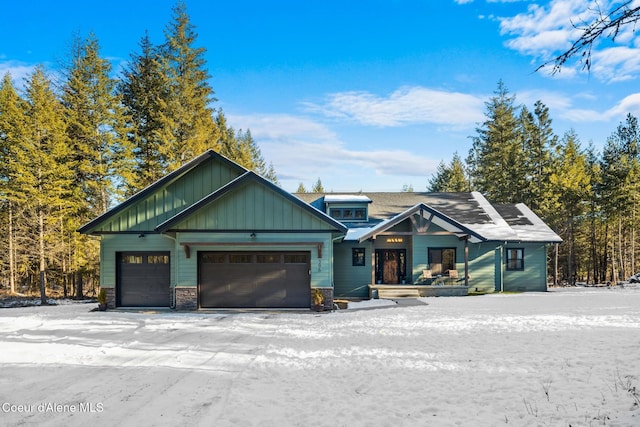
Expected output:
(390, 265)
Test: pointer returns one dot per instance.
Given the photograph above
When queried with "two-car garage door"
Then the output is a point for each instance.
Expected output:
(254, 279)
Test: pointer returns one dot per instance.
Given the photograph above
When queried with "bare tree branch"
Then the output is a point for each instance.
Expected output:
(605, 25)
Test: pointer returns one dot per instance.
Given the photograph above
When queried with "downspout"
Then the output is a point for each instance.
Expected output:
(502, 267)
(466, 261)
(175, 251)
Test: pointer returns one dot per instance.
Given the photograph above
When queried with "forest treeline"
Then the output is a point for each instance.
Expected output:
(588, 197)
(73, 146)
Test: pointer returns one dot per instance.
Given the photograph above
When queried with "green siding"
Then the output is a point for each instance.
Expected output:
(321, 268)
(112, 243)
(533, 277)
(171, 199)
(253, 207)
(351, 281)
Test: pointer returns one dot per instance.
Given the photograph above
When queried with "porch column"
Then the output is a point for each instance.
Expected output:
(373, 260)
(466, 261)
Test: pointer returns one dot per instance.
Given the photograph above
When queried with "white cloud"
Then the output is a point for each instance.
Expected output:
(302, 150)
(405, 106)
(546, 31)
(18, 71)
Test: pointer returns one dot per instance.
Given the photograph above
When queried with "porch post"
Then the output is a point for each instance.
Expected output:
(373, 260)
(466, 261)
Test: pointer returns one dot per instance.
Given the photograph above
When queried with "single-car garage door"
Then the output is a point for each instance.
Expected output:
(254, 279)
(143, 279)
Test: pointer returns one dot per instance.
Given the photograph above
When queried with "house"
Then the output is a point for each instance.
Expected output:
(213, 234)
(434, 244)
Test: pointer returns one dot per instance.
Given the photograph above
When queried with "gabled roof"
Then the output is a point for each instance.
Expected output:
(435, 217)
(459, 213)
(244, 178)
(167, 179)
(526, 224)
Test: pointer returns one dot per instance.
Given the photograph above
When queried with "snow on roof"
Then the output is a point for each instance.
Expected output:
(341, 198)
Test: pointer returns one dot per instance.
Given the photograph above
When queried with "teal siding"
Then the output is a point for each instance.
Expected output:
(253, 207)
(110, 244)
(534, 276)
(321, 268)
(171, 199)
(351, 281)
(481, 267)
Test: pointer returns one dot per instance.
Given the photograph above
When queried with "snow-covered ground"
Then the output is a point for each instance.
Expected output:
(566, 357)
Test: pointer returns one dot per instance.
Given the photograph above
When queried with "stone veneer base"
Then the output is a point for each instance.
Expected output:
(186, 298)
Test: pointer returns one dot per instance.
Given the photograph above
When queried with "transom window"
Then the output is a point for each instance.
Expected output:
(348, 214)
(515, 259)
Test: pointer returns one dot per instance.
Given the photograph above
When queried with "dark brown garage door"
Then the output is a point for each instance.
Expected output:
(143, 279)
(254, 279)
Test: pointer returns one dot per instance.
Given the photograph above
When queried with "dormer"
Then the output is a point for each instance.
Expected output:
(347, 207)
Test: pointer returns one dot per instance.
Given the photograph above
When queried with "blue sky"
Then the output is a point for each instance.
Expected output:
(365, 95)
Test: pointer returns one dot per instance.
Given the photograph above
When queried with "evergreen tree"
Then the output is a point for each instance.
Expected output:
(42, 182)
(572, 184)
(12, 131)
(188, 126)
(497, 157)
(539, 146)
(449, 178)
(144, 89)
(96, 127)
(242, 149)
(619, 190)
(301, 188)
(317, 187)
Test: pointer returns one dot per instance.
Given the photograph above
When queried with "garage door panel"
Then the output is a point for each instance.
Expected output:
(143, 279)
(267, 281)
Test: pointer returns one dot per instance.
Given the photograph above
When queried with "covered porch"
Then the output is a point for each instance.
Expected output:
(418, 254)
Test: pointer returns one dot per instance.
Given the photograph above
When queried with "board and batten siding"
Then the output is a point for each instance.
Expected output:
(164, 203)
(253, 207)
(321, 268)
(351, 281)
(110, 244)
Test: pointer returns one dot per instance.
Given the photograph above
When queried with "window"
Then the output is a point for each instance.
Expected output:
(213, 258)
(348, 214)
(441, 260)
(515, 259)
(132, 259)
(295, 259)
(158, 259)
(357, 256)
(240, 259)
(268, 259)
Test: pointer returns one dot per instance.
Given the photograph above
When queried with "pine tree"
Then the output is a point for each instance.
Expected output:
(497, 156)
(144, 89)
(188, 126)
(619, 189)
(572, 184)
(539, 146)
(301, 188)
(12, 131)
(42, 181)
(242, 149)
(317, 187)
(449, 178)
(96, 127)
